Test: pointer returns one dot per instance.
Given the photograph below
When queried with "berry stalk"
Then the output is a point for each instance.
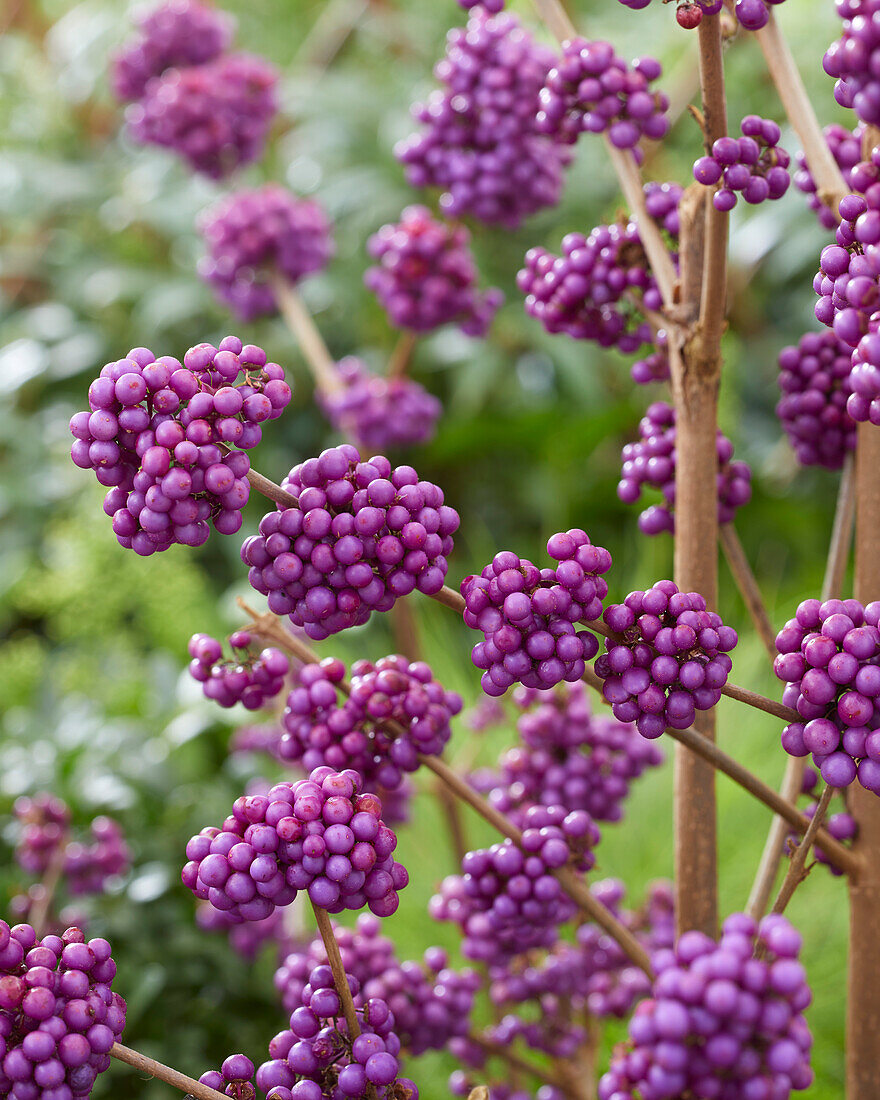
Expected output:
(43, 904)
(797, 871)
(398, 361)
(322, 918)
(300, 323)
(747, 585)
(170, 1076)
(498, 1050)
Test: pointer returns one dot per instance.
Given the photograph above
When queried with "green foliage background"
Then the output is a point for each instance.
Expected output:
(98, 255)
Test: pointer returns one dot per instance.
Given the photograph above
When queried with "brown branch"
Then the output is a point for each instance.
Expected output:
(270, 490)
(43, 902)
(164, 1073)
(747, 585)
(398, 361)
(315, 352)
(499, 1050)
(761, 702)
(340, 979)
(797, 871)
(841, 532)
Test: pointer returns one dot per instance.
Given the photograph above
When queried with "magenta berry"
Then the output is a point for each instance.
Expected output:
(755, 165)
(247, 679)
(814, 377)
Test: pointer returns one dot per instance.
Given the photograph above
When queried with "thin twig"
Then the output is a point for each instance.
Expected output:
(43, 902)
(311, 342)
(340, 979)
(270, 490)
(841, 532)
(335, 22)
(499, 1050)
(398, 361)
(797, 872)
(761, 702)
(747, 585)
(164, 1073)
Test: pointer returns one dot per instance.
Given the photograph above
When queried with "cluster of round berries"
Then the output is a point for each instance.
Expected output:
(317, 834)
(363, 535)
(813, 378)
(507, 900)
(59, 1017)
(568, 757)
(651, 461)
(163, 436)
(486, 713)
(176, 34)
(492, 6)
(380, 412)
(751, 14)
(234, 1078)
(246, 679)
(756, 165)
(863, 382)
(480, 142)
(668, 660)
(215, 116)
(394, 712)
(851, 59)
(426, 275)
(846, 148)
(829, 659)
(847, 281)
(316, 1057)
(588, 292)
(842, 825)
(593, 90)
(654, 367)
(245, 939)
(253, 236)
(45, 838)
(528, 615)
(721, 1022)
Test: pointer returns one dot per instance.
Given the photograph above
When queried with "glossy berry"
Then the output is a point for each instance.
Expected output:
(755, 165)
(247, 679)
(851, 60)
(814, 379)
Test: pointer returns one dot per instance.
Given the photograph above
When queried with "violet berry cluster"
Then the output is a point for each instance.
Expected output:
(380, 412)
(59, 1016)
(754, 165)
(253, 236)
(394, 712)
(849, 270)
(234, 1078)
(318, 834)
(651, 461)
(168, 439)
(863, 382)
(846, 148)
(721, 1022)
(851, 60)
(591, 89)
(362, 535)
(750, 14)
(246, 679)
(667, 659)
(814, 380)
(829, 660)
(567, 757)
(316, 1057)
(425, 275)
(507, 900)
(479, 140)
(528, 616)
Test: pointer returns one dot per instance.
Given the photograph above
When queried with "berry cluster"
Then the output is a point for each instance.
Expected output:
(846, 148)
(527, 615)
(165, 437)
(426, 276)
(842, 825)
(813, 378)
(849, 270)
(592, 90)
(751, 14)
(851, 59)
(59, 1017)
(480, 142)
(317, 834)
(651, 461)
(177, 34)
(380, 412)
(863, 382)
(568, 757)
(721, 1022)
(507, 899)
(492, 6)
(363, 535)
(395, 710)
(249, 680)
(316, 1057)
(234, 1078)
(829, 659)
(594, 289)
(216, 116)
(668, 660)
(252, 236)
(756, 165)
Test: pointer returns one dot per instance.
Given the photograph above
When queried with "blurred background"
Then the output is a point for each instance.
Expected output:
(98, 255)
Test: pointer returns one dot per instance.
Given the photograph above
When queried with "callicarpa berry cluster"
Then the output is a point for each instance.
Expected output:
(249, 680)
(755, 165)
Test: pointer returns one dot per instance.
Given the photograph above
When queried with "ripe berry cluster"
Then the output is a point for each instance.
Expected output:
(863, 382)
(668, 660)
(721, 1022)
(316, 1057)
(363, 534)
(426, 275)
(829, 659)
(814, 380)
(318, 834)
(846, 148)
(592, 90)
(651, 461)
(850, 60)
(252, 236)
(58, 1014)
(380, 413)
(249, 680)
(173, 35)
(235, 1077)
(756, 165)
(527, 615)
(567, 757)
(751, 14)
(163, 435)
(847, 280)
(480, 142)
